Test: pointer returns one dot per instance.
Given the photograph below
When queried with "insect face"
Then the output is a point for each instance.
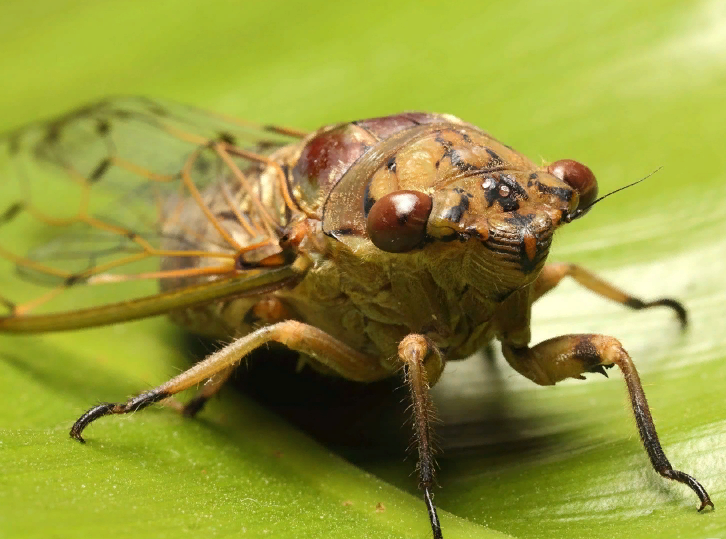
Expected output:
(512, 214)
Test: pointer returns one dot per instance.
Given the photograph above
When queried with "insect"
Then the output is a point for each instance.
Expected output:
(377, 248)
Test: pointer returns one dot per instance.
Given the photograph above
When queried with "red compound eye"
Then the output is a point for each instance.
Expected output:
(577, 176)
(397, 222)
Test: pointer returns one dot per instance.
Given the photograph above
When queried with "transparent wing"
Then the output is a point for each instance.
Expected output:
(133, 189)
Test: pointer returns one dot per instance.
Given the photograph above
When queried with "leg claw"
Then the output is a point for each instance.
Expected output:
(600, 369)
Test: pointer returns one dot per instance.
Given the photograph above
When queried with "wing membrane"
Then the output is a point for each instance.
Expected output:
(108, 192)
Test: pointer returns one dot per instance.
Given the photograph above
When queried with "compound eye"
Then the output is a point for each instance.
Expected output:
(396, 223)
(577, 176)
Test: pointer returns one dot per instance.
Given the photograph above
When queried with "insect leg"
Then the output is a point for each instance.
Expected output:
(209, 389)
(423, 364)
(297, 336)
(552, 274)
(570, 356)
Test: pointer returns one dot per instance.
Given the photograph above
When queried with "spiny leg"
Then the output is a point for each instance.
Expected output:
(297, 336)
(569, 356)
(423, 364)
(552, 274)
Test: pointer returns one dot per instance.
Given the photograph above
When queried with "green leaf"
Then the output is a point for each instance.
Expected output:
(623, 87)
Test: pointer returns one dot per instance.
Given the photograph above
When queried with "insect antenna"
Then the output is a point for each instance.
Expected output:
(582, 211)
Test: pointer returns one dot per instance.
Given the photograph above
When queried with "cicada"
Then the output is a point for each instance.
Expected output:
(374, 248)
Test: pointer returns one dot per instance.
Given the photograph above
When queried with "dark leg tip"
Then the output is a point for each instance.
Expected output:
(76, 435)
(433, 517)
(694, 485)
(89, 417)
(194, 406)
(678, 307)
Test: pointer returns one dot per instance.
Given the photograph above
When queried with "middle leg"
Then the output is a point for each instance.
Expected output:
(423, 364)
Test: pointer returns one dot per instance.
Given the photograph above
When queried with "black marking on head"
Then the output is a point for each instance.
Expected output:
(454, 155)
(465, 136)
(391, 164)
(560, 192)
(496, 160)
(100, 170)
(228, 138)
(512, 245)
(368, 200)
(532, 178)
(459, 163)
(441, 140)
(491, 193)
(517, 189)
(455, 213)
(463, 191)
(508, 203)
(519, 220)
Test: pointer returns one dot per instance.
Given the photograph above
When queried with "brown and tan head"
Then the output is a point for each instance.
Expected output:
(447, 186)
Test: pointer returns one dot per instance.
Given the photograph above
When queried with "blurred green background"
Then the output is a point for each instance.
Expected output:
(624, 87)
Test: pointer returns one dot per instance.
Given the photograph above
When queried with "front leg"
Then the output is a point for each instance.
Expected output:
(552, 274)
(423, 364)
(569, 356)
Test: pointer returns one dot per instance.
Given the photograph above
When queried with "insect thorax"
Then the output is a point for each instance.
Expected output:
(486, 237)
